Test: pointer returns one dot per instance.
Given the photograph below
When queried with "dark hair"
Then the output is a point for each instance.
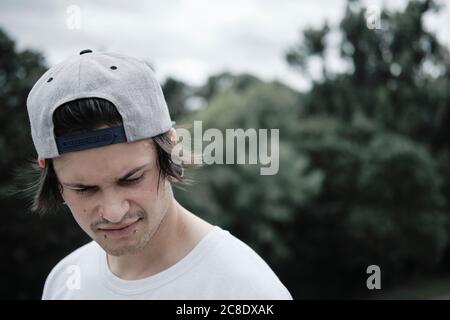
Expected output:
(85, 115)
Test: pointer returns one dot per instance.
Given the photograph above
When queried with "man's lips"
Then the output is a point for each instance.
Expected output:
(120, 227)
(121, 231)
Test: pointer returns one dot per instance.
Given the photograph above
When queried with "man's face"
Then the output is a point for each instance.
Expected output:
(112, 193)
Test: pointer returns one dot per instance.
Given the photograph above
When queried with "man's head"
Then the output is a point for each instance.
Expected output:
(103, 134)
(109, 187)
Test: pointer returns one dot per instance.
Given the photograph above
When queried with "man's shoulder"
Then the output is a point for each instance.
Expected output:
(243, 267)
(239, 256)
(78, 256)
(78, 261)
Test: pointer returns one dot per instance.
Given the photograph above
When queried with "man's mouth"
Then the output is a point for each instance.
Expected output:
(120, 231)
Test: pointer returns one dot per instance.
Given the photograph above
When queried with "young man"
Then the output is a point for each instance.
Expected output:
(104, 136)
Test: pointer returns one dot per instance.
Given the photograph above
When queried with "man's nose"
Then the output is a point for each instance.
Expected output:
(113, 207)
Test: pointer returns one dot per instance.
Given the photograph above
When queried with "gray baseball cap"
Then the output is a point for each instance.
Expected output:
(129, 83)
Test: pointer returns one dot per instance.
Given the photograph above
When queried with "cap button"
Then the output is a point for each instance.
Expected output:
(85, 51)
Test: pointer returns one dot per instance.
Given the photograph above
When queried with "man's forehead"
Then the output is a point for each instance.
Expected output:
(104, 161)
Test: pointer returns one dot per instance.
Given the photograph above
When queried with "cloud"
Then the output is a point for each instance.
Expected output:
(186, 39)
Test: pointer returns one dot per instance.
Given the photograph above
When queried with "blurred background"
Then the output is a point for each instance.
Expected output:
(360, 91)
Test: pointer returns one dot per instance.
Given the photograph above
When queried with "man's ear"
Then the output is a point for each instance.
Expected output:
(173, 135)
(41, 162)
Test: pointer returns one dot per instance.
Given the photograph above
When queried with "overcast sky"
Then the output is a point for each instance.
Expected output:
(186, 39)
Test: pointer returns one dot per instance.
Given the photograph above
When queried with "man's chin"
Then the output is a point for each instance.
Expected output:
(122, 250)
(133, 246)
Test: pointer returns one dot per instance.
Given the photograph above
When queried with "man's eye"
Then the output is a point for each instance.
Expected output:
(84, 190)
(135, 180)
(125, 182)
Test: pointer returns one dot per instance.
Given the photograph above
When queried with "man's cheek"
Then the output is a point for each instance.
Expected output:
(82, 218)
(146, 194)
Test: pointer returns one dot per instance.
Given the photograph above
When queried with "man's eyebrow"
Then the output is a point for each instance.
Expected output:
(133, 171)
(124, 177)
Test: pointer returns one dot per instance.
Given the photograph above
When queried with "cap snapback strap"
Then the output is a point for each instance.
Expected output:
(91, 139)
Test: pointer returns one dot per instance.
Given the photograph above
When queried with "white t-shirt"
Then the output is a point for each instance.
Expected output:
(219, 267)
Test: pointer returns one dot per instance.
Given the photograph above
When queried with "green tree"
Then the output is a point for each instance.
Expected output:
(397, 76)
(363, 164)
(31, 245)
(175, 93)
(259, 209)
(387, 198)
